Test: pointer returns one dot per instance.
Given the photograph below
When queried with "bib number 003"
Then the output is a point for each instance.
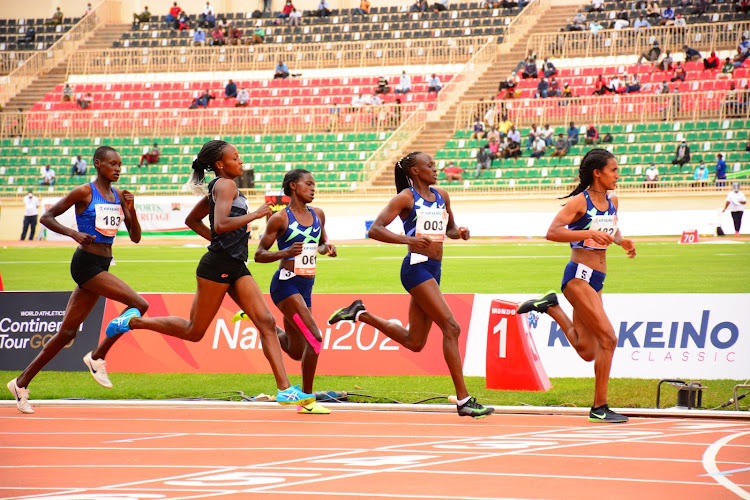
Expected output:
(304, 263)
(432, 222)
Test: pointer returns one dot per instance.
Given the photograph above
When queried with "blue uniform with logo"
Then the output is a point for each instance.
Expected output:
(85, 265)
(416, 274)
(285, 283)
(576, 270)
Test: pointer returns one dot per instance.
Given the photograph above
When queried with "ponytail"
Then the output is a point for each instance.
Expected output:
(595, 159)
(209, 154)
(400, 173)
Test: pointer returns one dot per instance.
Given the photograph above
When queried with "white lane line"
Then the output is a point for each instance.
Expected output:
(160, 436)
(709, 463)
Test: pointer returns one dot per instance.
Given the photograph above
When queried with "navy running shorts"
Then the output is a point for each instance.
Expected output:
(282, 289)
(592, 277)
(416, 274)
(220, 267)
(85, 265)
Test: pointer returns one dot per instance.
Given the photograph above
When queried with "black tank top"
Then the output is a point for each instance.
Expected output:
(232, 242)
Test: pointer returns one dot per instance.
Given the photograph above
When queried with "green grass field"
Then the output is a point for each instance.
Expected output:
(476, 266)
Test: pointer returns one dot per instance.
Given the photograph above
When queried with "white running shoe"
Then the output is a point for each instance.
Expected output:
(22, 397)
(98, 369)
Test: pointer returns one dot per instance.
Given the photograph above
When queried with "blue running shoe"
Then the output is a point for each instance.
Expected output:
(120, 324)
(294, 396)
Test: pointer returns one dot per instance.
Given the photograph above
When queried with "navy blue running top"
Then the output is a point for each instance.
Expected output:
(410, 222)
(232, 242)
(585, 221)
(296, 232)
(86, 220)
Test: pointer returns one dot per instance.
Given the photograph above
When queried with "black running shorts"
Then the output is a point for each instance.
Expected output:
(85, 266)
(221, 267)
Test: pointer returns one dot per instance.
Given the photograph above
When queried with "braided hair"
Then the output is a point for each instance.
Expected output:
(400, 173)
(595, 159)
(292, 176)
(209, 154)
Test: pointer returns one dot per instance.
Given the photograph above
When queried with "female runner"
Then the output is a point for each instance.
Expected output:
(427, 217)
(589, 222)
(300, 234)
(99, 210)
(222, 269)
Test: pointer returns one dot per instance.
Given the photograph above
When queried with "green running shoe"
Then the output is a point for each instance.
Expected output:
(473, 409)
(603, 414)
(539, 305)
(350, 313)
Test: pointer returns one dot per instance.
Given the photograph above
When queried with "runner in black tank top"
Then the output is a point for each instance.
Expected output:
(222, 269)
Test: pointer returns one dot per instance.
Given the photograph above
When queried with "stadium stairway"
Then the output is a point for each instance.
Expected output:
(437, 132)
(47, 82)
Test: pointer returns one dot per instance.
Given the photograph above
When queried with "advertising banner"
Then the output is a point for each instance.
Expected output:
(348, 348)
(687, 336)
(29, 319)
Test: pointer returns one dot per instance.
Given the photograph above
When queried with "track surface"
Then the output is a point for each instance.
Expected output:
(147, 453)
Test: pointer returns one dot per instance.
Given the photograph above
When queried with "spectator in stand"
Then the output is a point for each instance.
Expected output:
(592, 135)
(47, 176)
(258, 35)
(202, 100)
(364, 8)
(679, 73)
(285, 12)
(597, 5)
(691, 54)
(29, 37)
(539, 148)
(143, 17)
(513, 150)
(56, 19)
(433, 84)
(700, 174)
(711, 62)
(79, 166)
(174, 15)
(622, 21)
(30, 213)
(542, 89)
(208, 10)
(530, 70)
(663, 88)
(601, 86)
(235, 35)
(266, 7)
(418, 6)
(493, 134)
(374, 100)
(494, 149)
(243, 98)
(323, 9)
(548, 133)
(84, 102)
(208, 21)
(382, 87)
(548, 68)
(230, 91)
(579, 22)
(726, 70)
(567, 92)
(667, 16)
(357, 102)
(484, 161)
(743, 51)
(679, 21)
(652, 55)
(404, 84)
(720, 176)
(616, 85)
(554, 88)
(633, 84)
(743, 6)
(735, 202)
(199, 38)
(665, 64)
(440, 5)
(653, 10)
(504, 126)
(67, 93)
(732, 101)
(151, 157)
(514, 135)
(641, 22)
(701, 6)
(281, 71)
(295, 18)
(652, 176)
(453, 173)
(573, 134)
(478, 130)
(217, 37)
(681, 155)
(534, 134)
(184, 22)
(562, 146)
(595, 27)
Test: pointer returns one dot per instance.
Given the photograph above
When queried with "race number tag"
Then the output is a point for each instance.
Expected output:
(432, 222)
(604, 223)
(108, 219)
(304, 263)
(584, 273)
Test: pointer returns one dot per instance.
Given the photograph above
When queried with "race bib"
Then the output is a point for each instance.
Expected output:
(304, 263)
(108, 219)
(604, 223)
(584, 273)
(432, 222)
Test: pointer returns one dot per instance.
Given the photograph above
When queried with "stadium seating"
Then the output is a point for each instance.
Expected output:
(716, 12)
(335, 159)
(12, 32)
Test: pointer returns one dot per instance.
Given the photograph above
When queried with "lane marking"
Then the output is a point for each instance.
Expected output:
(709, 464)
(144, 438)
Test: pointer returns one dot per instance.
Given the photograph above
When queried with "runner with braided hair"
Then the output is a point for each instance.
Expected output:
(427, 217)
(589, 223)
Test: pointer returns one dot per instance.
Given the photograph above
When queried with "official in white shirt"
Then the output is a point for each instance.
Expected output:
(30, 213)
(736, 204)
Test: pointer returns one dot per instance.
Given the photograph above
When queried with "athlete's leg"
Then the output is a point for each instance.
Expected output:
(79, 306)
(248, 296)
(206, 303)
(298, 346)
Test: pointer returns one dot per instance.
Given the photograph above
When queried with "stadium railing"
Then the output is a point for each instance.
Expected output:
(612, 43)
(12, 59)
(265, 57)
(42, 61)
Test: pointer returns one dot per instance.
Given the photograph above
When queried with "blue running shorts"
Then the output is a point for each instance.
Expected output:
(416, 274)
(574, 270)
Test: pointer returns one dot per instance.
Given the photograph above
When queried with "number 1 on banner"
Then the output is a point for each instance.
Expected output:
(689, 236)
(502, 327)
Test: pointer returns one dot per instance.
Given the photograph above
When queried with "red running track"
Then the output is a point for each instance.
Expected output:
(146, 453)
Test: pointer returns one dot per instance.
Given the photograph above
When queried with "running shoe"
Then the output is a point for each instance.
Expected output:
(240, 315)
(603, 414)
(98, 369)
(350, 313)
(473, 409)
(294, 396)
(313, 409)
(120, 324)
(22, 397)
(539, 305)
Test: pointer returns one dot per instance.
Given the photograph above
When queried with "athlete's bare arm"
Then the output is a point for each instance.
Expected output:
(276, 226)
(572, 211)
(194, 219)
(401, 205)
(80, 197)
